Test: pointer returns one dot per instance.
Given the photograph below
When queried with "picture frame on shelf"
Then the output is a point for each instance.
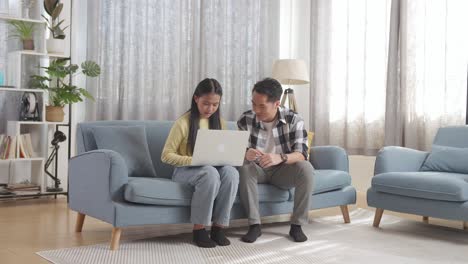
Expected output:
(29, 110)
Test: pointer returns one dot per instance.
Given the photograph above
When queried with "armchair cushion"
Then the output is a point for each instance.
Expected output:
(447, 159)
(130, 143)
(428, 185)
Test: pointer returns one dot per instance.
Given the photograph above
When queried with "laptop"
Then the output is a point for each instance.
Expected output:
(220, 147)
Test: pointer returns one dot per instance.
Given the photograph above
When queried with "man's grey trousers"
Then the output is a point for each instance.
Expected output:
(285, 176)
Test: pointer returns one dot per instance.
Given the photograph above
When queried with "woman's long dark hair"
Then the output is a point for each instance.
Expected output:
(206, 86)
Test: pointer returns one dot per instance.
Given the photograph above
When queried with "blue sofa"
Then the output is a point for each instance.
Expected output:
(428, 184)
(99, 185)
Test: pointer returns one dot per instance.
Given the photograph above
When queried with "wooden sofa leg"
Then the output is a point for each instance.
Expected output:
(79, 222)
(345, 212)
(426, 219)
(378, 216)
(115, 240)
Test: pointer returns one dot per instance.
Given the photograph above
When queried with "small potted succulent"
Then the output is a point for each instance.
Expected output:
(61, 91)
(55, 42)
(24, 31)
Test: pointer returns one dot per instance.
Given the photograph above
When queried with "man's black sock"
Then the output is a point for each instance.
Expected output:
(296, 233)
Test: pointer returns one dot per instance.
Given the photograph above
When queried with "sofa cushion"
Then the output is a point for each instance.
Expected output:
(328, 180)
(447, 159)
(130, 142)
(161, 191)
(428, 185)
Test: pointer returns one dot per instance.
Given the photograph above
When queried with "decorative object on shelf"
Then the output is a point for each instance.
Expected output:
(24, 31)
(27, 5)
(29, 107)
(290, 72)
(55, 42)
(54, 113)
(61, 91)
(59, 136)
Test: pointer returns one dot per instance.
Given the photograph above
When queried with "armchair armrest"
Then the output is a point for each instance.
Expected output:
(96, 180)
(329, 158)
(396, 159)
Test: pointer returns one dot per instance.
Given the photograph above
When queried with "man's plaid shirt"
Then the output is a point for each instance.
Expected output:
(289, 132)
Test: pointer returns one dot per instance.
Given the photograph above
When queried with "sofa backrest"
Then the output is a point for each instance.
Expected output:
(156, 134)
(452, 136)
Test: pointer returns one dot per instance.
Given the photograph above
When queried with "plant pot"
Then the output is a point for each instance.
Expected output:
(28, 44)
(56, 46)
(54, 113)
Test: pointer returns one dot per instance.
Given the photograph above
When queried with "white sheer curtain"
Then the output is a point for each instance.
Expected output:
(349, 41)
(153, 53)
(427, 85)
(355, 103)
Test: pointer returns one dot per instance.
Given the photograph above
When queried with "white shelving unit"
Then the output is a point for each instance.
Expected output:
(20, 65)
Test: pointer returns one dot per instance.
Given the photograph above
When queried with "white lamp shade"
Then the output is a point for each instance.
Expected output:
(290, 72)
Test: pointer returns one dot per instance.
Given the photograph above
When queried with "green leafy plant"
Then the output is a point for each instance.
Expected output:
(53, 9)
(61, 92)
(22, 30)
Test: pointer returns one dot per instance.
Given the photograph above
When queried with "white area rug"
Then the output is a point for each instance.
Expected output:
(330, 241)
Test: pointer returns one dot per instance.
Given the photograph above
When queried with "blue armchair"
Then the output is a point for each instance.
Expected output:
(428, 184)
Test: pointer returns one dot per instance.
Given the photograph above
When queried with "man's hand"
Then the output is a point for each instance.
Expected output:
(253, 154)
(268, 160)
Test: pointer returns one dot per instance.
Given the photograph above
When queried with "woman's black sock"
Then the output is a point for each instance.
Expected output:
(201, 238)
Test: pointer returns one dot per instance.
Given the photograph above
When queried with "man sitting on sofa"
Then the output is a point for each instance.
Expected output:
(277, 154)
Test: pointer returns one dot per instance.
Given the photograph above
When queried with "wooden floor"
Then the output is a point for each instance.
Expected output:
(28, 226)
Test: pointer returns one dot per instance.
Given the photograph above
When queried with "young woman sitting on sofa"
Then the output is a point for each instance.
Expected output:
(210, 183)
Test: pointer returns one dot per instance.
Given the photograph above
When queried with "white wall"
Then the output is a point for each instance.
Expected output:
(361, 169)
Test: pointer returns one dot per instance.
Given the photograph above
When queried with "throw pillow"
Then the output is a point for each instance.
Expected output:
(447, 159)
(130, 142)
(310, 137)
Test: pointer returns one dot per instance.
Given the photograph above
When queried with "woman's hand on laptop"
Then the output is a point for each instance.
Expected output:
(268, 160)
(253, 154)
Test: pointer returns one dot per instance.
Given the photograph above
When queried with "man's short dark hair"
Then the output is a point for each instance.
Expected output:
(269, 87)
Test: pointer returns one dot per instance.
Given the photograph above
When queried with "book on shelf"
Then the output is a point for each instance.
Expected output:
(22, 187)
(28, 148)
(2, 145)
(9, 145)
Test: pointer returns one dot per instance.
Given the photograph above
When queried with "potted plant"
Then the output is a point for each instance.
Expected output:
(55, 42)
(24, 31)
(61, 92)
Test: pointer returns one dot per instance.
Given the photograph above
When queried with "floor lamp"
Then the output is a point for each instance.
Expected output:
(290, 72)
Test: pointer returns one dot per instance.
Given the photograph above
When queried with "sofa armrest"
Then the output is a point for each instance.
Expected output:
(96, 180)
(329, 158)
(398, 159)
